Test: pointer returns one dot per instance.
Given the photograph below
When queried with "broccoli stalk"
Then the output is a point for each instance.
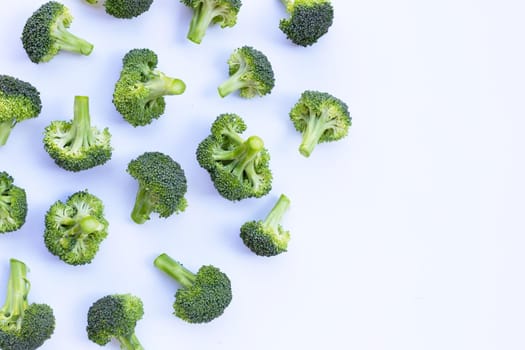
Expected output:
(144, 205)
(5, 131)
(160, 85)
(12, 313)
(242, 158)
(175, 270)
(68, 41)
(80, 135)
(316, 126)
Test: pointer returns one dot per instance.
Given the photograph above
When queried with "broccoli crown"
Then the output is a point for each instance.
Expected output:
(162, 186)
(309, 20)
(320, 117)
(238, 168)
(124, 8)
(45, 33)
(76, 145)
(13, 204)
(23, 326)
(208, 12)
(115, 316)
(250, 72)
(75, 229)
(139, 92)
(203, 296)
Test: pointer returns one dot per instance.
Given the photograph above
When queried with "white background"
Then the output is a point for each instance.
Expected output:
(407, 234)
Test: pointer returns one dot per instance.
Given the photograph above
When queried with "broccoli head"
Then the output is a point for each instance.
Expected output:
(238, 168)
(123, 8)
(75, 229)
(13, 204)
(320, 117)
(115, 316)
(309, 20)
(23, 326)
(208, 12)
(76, 145)
(46, 33)
(139, 92)
(250, 72)
(162, 186)
(203, 296)
(19, 100)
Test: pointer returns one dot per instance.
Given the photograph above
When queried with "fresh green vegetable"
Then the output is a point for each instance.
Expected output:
(123, 8)
(13, 204)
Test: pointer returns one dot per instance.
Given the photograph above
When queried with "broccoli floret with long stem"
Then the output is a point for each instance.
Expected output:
(126, 9)
(203, 296)
(23, 325)
(250, 72)
(13, 204)
(320, 117)
(46, 33)
(115, 316)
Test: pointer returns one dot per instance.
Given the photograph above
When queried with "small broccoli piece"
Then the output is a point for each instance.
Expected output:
(123, 8)
(23, 326)
(203, 296)
(77, 145)
(250, 72)
(75, 229)
(208, 12)
(13, 204)
(46, 33)
(162, 186)
(309, 20)
(19, 100)
(320, 117)
(238, 168)
(115, 316)
(139, 92)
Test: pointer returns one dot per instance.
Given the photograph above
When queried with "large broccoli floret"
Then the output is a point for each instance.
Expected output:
(203, 296)
(13, 204)
(77, 145)
(320, 117)
(309, 20)
(162, 186)
(19, 101)
(208, 12)
(23, 326)
(139, 93)
(267, 237)
(250, 72)
(123, 8)
(75, 229)
(238, 168)
(46, 33)
(115, 316)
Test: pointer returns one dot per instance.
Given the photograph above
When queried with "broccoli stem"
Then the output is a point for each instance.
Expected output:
(243, 155)
(143, 205)
(274, 217)
(130, 342)
(232, 84)
(5, 131)
(161, 85)
(12, 313)
(80, 134)
(201, 20)
(174, 269)
(315, 127)
(70, 42)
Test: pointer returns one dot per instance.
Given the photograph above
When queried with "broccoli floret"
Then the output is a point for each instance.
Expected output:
(309, 20)
(238, 168)
(139, 92)
(115, 316)
(13, 204)
(320, 117)
(208, 12)
(123, 8)
(46, 33)
(267, 237)
(203, 296)
(162, 186)
(76, 145)
(19, 100)
(75, 229)
(23, 326)
(250, 72)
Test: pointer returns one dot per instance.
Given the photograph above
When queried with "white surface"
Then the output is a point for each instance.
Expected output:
(408, 234)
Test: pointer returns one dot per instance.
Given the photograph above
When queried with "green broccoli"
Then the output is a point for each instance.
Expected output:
(208, 12)
(203, 296)
(162, 186)
(250, 72)
(139, 92)
(75, 229)
(123, 8)
(13, 204)
(23, 326)
(115, 316)
(46, 33)
(309, 20)
(320, 117)
(19, 101)
(77, 145)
